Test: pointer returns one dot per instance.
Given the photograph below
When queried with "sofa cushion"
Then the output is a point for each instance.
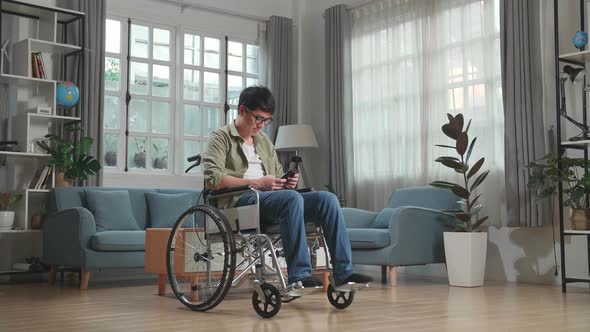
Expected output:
(368, 238)
(118, 241)
(112, 210)
(166, 208)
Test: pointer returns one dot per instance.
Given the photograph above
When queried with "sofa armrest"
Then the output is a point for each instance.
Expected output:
(417, 234)
(357, 218)
(66, 236)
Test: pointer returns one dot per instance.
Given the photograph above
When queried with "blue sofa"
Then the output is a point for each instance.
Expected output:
(409, 231)
(73, 239)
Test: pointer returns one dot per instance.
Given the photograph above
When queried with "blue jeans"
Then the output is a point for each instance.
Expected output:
(289, 208)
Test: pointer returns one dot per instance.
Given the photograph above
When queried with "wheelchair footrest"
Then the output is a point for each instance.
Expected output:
(297, 289)
(350, 287)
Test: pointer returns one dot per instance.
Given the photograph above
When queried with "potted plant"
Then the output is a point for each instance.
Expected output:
(465, 249)
(160, 157)
(70, 160)
(37, 219)
(139, 157)
(7, 201)
(545, 175)
(110, 156)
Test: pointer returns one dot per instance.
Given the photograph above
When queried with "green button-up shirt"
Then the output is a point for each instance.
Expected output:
(225, 156)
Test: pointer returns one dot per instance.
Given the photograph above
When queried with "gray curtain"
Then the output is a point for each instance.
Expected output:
(91, 86)
(339, 100)
(523, 108)
(279, 45)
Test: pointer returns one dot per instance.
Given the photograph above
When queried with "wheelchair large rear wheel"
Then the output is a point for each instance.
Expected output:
(201, 257)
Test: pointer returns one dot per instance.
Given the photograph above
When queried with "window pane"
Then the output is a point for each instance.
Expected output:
(139, 41)
(136, 148)
(232, 114)
(111, 147)
(161, 81)
(251, 81)
(113, 31)
(138, 113)
(252, 59)
(234, 87)
(139, 78)
(234, 56)
(161, 44)
(111, 112)
(191, 85)
(211, 87)
(191, 148)
(211, 119)
(160, 147)
(192, 49)
(192, 120)
(112, 74)
(160, 117)
(212, 53)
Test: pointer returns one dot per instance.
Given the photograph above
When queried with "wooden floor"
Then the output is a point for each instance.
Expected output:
(412, 306)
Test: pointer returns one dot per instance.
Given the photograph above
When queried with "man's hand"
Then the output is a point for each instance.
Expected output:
(269, 182)
(292, 181)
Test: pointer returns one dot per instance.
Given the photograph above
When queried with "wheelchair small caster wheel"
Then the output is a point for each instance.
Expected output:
(339, 300)
(271, 304)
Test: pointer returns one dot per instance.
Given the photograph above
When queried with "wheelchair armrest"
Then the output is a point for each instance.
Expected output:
(229, 190)
(305, 190)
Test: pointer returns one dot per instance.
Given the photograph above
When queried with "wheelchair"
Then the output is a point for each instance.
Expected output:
(210, 250)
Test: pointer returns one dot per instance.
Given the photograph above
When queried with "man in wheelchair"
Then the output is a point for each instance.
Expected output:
(241, 154)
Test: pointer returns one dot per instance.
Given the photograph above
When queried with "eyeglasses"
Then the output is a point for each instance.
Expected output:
(259, 119)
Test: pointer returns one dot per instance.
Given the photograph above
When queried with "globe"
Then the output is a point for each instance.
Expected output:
(580, 40)
(66, 94)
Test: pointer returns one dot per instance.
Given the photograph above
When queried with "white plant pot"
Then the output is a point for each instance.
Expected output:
(466, 258)
(6, 220)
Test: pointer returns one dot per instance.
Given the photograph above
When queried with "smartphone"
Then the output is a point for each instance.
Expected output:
(288, 175)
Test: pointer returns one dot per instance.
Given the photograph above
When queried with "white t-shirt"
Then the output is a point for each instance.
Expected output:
(254, 163)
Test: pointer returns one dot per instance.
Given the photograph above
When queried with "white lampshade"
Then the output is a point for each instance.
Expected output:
(295, 137)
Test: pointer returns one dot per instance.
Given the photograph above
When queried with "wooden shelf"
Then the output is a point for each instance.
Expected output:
(23, 80)
(44, 46)
(23, 231)
(24, 154)
(54, 117)
(575, 232)
(570, 143)
(27, 9)
(582, 56)
(44, 191)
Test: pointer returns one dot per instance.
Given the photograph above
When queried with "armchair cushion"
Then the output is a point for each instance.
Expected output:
(368, 238)
(112, 210)
(118, 241)
(166, 208)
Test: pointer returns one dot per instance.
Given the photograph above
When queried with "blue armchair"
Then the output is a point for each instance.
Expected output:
(409, 231)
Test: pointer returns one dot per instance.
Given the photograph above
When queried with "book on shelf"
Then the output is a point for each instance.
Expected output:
(38, 66)
(42, 178)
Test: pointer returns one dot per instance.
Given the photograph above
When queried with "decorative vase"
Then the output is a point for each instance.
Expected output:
(62, 181)
(110, 158)
(466, 258)
(6, 220)
(580, 219)
(139, 159)
(160, 163)
(37, 221)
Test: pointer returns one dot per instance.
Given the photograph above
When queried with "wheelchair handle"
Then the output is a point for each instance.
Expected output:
(197, 161)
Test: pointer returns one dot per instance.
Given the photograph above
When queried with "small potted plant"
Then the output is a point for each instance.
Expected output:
(139, 157)
(7, 201)
(37, 219)
(545, 175)
(465, 249)
(71, 160)
(110, 156)
(160, 157)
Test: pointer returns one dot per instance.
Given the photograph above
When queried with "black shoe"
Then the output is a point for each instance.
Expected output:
(310, 282)
(356, 278)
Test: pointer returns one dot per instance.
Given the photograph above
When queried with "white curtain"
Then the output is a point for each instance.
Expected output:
(413, 61)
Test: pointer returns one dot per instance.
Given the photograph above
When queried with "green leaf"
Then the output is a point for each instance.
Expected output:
(460, 191)
(445, 146)
(450, 117)
(463, 216)
(470, 148)
(475, 168)
(474, 200)
(457, 123)
(479, 222)
(450, 163)
(442, 184)
(479, 180)
(450, 131)
(476, 209)
(462, 141)
(468, 125)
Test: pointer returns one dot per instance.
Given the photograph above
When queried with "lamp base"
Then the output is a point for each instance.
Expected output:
(296, 165)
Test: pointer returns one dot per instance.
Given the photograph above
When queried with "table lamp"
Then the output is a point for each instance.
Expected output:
(296, 138)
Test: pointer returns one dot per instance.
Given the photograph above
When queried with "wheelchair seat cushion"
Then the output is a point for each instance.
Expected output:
(368, 238)
(310, 227)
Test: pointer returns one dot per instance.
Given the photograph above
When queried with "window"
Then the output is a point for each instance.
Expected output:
(168, 124)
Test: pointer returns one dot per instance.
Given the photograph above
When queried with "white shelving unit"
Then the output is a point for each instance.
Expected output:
(45, 26)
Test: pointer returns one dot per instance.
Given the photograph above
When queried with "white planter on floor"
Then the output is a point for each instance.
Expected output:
(466, 258)
(6, 220)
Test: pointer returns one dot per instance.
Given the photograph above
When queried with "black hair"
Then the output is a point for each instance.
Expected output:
(257, 97)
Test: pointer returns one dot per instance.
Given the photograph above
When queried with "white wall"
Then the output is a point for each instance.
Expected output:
(514, 254)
